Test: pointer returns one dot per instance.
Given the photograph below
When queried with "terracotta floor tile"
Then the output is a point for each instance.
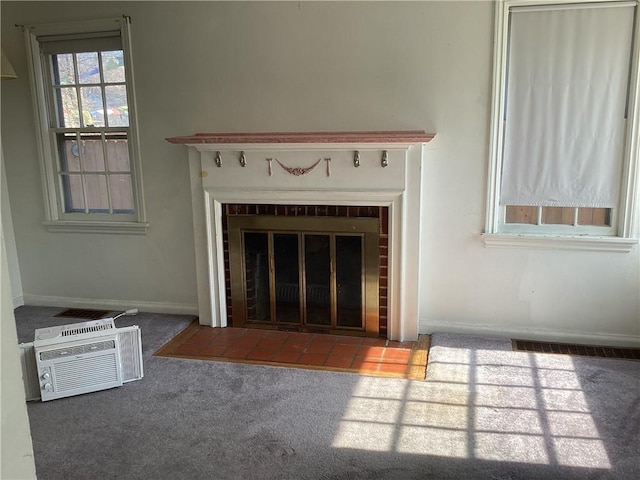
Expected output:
(262, 354)
(345, 350)
(322, 338)
(231, 332)
(393, 344)
(271, 342)
(397, 355)
(301, 339)
(247, 341)
(299, 348)
(315, 359)
(188, 349)
(364, 366)
(276, 335)
(286, 356)
(253, 332)
(237, 352)
(374, 342)
(318, 347)
(393, 368)
(301, 336)
(339, 361)
(201, 337)
(343, 340)
(212, 351)
(370, 352)
(224, 341)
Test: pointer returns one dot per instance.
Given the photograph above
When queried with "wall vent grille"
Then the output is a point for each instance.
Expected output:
(581, 350)
(83, 313)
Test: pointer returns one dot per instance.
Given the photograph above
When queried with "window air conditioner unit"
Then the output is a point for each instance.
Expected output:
(68, 360)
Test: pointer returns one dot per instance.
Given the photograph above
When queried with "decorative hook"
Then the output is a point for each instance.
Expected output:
(243, 160)
(385, 159)
(218, 159)
(356, 159)
(328, 160)
(269, 160)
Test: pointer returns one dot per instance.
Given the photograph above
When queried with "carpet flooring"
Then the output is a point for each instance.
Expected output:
(367, 356)
(483, 412)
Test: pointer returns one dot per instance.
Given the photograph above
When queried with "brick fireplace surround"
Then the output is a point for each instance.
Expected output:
(311, 174)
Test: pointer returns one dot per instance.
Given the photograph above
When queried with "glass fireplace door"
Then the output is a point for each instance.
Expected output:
(312, 279)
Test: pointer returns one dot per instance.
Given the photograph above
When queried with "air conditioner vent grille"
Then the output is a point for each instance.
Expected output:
(88, 329)
(86, 372)
(77, 350)
(130, 354)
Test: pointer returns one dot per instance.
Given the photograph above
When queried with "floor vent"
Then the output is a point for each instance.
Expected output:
(583, 350)
(83, 313)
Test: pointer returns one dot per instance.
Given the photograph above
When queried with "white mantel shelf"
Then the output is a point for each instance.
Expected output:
(374, 168)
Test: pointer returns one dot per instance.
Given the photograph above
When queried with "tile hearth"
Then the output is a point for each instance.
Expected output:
(368, 356)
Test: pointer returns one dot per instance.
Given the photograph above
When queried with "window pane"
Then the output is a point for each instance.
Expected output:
(558, 215)
(520, 214)
(349, 280)
(117, 107)
(63, 69)
(121, 193)
(73, 197)
(92, 107)
(256, 264)
(92, 153)
(285, 252)
(88, 69)
(68, 107)
(69, 155)
(113, 66)
(594, 216)
(317, 258)
(118, 153)
(97, 197)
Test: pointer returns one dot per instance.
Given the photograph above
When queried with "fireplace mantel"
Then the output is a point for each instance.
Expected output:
(300, 138)
(364, 168)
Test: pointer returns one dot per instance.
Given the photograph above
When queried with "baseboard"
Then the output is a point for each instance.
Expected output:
(18, 301)
(102, 304)
(538, 334)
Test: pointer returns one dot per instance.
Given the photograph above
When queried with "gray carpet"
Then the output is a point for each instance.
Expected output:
(483, 412)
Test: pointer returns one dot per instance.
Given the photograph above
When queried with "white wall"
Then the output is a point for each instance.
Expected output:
(210, 66)
(16, 450)
(10, 244)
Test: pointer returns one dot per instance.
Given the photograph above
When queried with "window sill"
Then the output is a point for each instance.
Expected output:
(599, 244)
(67, 226)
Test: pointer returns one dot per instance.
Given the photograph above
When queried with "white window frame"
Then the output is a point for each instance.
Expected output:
(624, 234)
(56, 220)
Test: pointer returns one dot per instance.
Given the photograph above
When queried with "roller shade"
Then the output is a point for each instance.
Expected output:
(567, 82)
(86, 42)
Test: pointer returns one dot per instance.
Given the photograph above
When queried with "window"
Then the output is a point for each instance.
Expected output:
(564, 141)
(83, 86)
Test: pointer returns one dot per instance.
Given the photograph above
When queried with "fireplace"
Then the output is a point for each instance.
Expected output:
(302, 172)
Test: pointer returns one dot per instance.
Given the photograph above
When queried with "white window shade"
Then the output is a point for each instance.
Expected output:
(88, 42)
(567, 80)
